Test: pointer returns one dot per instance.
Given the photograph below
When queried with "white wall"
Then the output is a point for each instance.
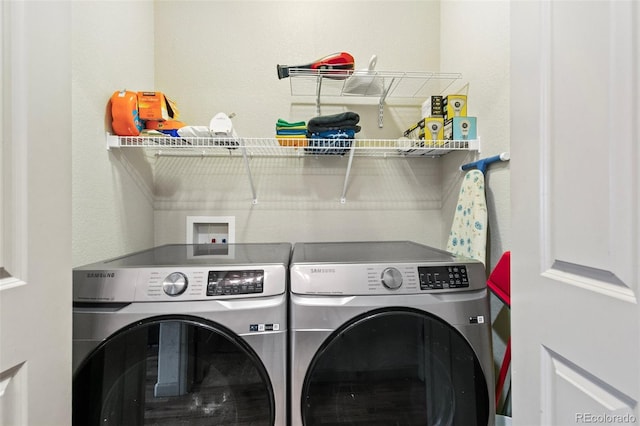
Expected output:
(217, 56)
(475, 42)
(298, 199)
(112, 48)
(222, 56)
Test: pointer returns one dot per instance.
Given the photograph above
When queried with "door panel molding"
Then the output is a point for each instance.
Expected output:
(624, 118)
(585, 219)
(545, 165)
(592, 279)
(13, 395)
(15, 109)
(563, 382)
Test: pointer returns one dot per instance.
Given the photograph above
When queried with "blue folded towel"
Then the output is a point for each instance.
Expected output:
(291, 131)
(330, 142)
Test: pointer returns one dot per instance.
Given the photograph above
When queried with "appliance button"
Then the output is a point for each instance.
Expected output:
(391, 278)
(175, 284)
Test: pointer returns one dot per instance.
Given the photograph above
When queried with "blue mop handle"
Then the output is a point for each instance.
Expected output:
(484, 162)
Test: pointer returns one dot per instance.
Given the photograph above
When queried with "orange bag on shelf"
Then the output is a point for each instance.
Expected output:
(124, 113)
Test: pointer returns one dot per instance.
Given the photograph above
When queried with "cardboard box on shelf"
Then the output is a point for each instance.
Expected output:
(433, 128)
(416, 131)
(461, 128)
(429, 128)
(156, 106)
(455, 106)
(433, 107)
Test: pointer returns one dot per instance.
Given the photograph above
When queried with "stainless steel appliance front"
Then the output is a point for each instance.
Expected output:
(182, 334)
(386, 333)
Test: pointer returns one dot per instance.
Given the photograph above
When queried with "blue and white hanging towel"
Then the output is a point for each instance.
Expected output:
(468, 236)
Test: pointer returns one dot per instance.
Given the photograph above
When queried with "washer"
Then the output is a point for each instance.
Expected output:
(388, 333)
(182, 334)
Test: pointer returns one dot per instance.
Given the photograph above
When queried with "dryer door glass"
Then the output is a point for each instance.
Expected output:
(395, 367)
(170, 371)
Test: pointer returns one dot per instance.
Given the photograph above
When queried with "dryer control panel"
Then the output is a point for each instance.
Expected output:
(385, 279)
(437, 277)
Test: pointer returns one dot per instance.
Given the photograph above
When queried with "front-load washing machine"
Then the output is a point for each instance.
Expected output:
(388, 333)
(182, 335)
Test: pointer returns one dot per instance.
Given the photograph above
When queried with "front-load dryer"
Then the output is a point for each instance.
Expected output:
(182, 335)
(388, 333)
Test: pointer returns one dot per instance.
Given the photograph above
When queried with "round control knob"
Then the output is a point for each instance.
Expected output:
(391, 278)
(175, 284)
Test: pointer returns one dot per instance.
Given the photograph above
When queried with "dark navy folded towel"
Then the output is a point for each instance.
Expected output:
(343, 120)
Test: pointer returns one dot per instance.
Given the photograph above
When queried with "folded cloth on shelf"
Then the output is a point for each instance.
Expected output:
(302, 131)
(292, 136)
(285, 128)
(343, 120)
(285, 123)
(300, 126)
(334, 134)
(331, 142)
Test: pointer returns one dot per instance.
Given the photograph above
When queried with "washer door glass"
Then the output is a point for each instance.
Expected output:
(170, 371)
(395, 367)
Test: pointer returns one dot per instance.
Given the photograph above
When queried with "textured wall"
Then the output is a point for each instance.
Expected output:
(112, 48)
(222, 56)
(475, 41)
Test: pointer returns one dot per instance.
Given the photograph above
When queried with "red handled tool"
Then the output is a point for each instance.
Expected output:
(340, 62)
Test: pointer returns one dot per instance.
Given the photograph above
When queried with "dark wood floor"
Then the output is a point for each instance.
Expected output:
(375, 404)
(216, 400)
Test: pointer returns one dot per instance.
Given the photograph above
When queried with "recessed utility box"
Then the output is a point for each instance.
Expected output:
(211, 229)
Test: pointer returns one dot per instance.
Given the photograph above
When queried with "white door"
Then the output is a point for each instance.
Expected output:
(35, 206)
(575, 115)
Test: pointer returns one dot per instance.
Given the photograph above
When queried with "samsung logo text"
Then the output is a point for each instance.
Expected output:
(101, 275)
(323, 271)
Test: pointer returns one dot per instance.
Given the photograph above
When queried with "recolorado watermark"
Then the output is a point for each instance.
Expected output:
(591, 418)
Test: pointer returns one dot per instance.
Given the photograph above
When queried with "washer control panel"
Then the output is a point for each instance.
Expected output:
(220, 283)
(180, 285)
(439, 277)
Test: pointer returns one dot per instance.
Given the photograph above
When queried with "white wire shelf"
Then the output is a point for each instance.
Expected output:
(247, 148)
(397, 84)
(380, 85)
(274, 147)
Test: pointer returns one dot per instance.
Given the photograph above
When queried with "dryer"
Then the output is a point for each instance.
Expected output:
(388, 333)
(182, 334)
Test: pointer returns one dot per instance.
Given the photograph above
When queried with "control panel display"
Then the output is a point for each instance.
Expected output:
(437, 277)
(222, 283)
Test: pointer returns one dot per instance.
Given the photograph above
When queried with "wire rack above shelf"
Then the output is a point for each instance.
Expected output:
(364, 83)
(273, 147)
(378, 85)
